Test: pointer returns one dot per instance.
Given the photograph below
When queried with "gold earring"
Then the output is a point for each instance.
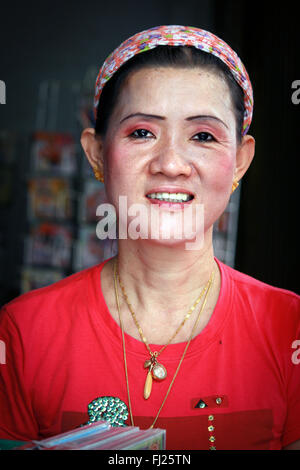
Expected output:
(234, 185)
(98, 174)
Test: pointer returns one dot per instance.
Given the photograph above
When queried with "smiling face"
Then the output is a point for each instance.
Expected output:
(171, 141)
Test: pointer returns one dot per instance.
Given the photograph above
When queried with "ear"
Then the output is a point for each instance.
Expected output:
(93, 148)
(244, 156)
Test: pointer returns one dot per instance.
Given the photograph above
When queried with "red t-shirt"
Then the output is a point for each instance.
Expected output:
(63, 349)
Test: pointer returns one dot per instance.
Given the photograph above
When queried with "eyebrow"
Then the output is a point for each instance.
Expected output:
(200, 117)
(203, 117)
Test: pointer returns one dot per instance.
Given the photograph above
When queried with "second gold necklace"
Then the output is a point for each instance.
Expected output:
(182, 357)
(156, 370)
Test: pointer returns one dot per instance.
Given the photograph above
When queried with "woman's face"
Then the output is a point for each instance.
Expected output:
(173, 131)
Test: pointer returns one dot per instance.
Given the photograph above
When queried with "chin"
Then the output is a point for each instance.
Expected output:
(170, 243)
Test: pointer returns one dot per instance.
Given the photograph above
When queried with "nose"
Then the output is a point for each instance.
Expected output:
(170, 162)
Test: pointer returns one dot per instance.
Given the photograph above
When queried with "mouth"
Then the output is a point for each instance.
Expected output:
(170, 197)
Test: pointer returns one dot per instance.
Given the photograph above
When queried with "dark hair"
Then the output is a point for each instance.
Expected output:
(168, 56)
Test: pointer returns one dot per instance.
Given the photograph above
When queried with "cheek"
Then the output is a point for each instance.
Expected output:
(119, 172)
(119, 159)
(217, 187)
(114, 157)
(220, 171)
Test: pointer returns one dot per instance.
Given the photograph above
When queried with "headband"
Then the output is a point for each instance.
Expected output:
(175, 35)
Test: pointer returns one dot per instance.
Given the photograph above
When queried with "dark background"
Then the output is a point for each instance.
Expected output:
(62, 40)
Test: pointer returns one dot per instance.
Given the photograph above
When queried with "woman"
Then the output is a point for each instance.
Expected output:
(187, 343)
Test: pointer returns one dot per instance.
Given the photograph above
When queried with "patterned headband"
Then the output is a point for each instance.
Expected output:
(175, 35)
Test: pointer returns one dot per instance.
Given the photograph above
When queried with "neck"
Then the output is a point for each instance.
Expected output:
(165, 270)
(161, 277)
(161, 284)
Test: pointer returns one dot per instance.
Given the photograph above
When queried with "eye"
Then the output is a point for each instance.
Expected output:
(141, 134)
(203, 137)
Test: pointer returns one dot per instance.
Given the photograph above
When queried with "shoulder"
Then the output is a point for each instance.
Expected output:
(249, 286)
(54, 300)
(263, 303)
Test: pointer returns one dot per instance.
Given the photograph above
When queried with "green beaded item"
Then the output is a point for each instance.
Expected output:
(110, 409)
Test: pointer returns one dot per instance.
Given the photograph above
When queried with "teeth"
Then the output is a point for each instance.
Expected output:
(170, 197)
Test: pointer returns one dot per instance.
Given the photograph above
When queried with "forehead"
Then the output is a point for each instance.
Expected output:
(169, 90)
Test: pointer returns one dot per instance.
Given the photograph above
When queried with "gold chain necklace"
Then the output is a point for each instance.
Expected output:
(208, 286)
(156, 370)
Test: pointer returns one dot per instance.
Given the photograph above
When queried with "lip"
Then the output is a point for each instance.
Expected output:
(169, 205)
(169, 189)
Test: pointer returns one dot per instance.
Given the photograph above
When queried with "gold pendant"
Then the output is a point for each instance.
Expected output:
(159, 371)
(156, 371)
(148, 385)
